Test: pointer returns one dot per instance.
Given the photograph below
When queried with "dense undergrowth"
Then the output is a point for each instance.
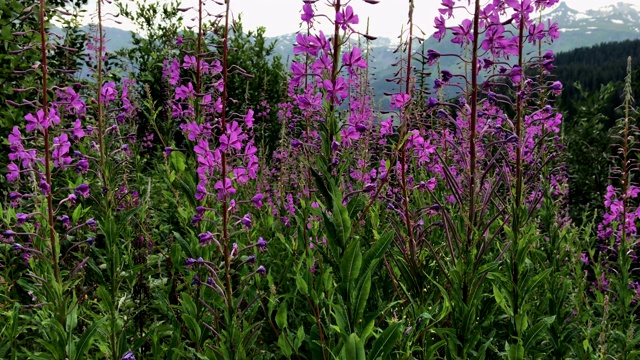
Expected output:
(192, 198)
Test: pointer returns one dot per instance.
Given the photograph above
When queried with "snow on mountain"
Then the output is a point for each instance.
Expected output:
(621, 13)
(617, 22)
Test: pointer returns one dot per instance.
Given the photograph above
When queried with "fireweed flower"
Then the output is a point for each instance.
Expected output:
(349, 135)
(206, 238)
(353, 59)
(556, 87)
(261, 244)
(64, 220)
(233, 137)
(554, 30)
(128, 356)
(462, 34)
(307, 13)
(246, 220)
(185, 92)
(432, 57)
(40, 122)
(78, 131)
(43, 185)
(346, 17)
(189, 62)
(82, 190)
(386, 126)
(171, 71)
(584, 258)
(60, 155)
(398, 101)
(108, 92)
(14, 173)
(306, 45)
(82, 166)
(224, 189)
(21, 218)
(448, 8)
(248, 118)
(257, 200)
(91, 223)
(441, 28)
(337, 91)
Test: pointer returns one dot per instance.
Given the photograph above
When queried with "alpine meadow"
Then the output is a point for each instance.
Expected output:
(197, 190)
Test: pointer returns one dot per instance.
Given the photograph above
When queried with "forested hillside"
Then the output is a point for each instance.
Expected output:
(595, 66)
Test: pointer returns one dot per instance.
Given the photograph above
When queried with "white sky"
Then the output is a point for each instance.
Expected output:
(386, 18)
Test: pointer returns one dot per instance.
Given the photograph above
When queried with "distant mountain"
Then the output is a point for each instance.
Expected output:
(116, 39)
(579, 29)
(609, 23)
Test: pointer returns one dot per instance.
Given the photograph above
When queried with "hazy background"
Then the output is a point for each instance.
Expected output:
(386, 18)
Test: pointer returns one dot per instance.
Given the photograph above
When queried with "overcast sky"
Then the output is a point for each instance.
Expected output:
(386, 18)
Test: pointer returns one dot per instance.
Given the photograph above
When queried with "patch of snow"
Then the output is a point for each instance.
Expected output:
(616, 21)
(588, 32)
(573, 29)
(580, 16)
(592, 27)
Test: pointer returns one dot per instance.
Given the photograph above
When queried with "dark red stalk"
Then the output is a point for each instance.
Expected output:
(625, 154)
(336, 57)
(306, 150)
(47, 146)
(199, 50)
(103, 159)
(472, 124)
(518, 201)
(223, 122)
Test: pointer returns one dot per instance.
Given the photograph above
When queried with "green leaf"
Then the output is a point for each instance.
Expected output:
(537, 331)
(341, 220)
(501, 301)
(188, 305)
(377, 250)
(322, 187)
(76, 213)
(284, 344)
(6, 33)
(361, 296)
(385, 342)
(301, 285)
(191, 324)
(350, 265)
(72, 319)
(281, 315)
(84, 343)
(535, 281)
(522, 322)
(354, 349)
(342, 321)
(178, 160)
(299, 338)
(515, 351)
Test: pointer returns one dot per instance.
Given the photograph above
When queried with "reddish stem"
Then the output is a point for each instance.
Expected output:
(47, 146)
